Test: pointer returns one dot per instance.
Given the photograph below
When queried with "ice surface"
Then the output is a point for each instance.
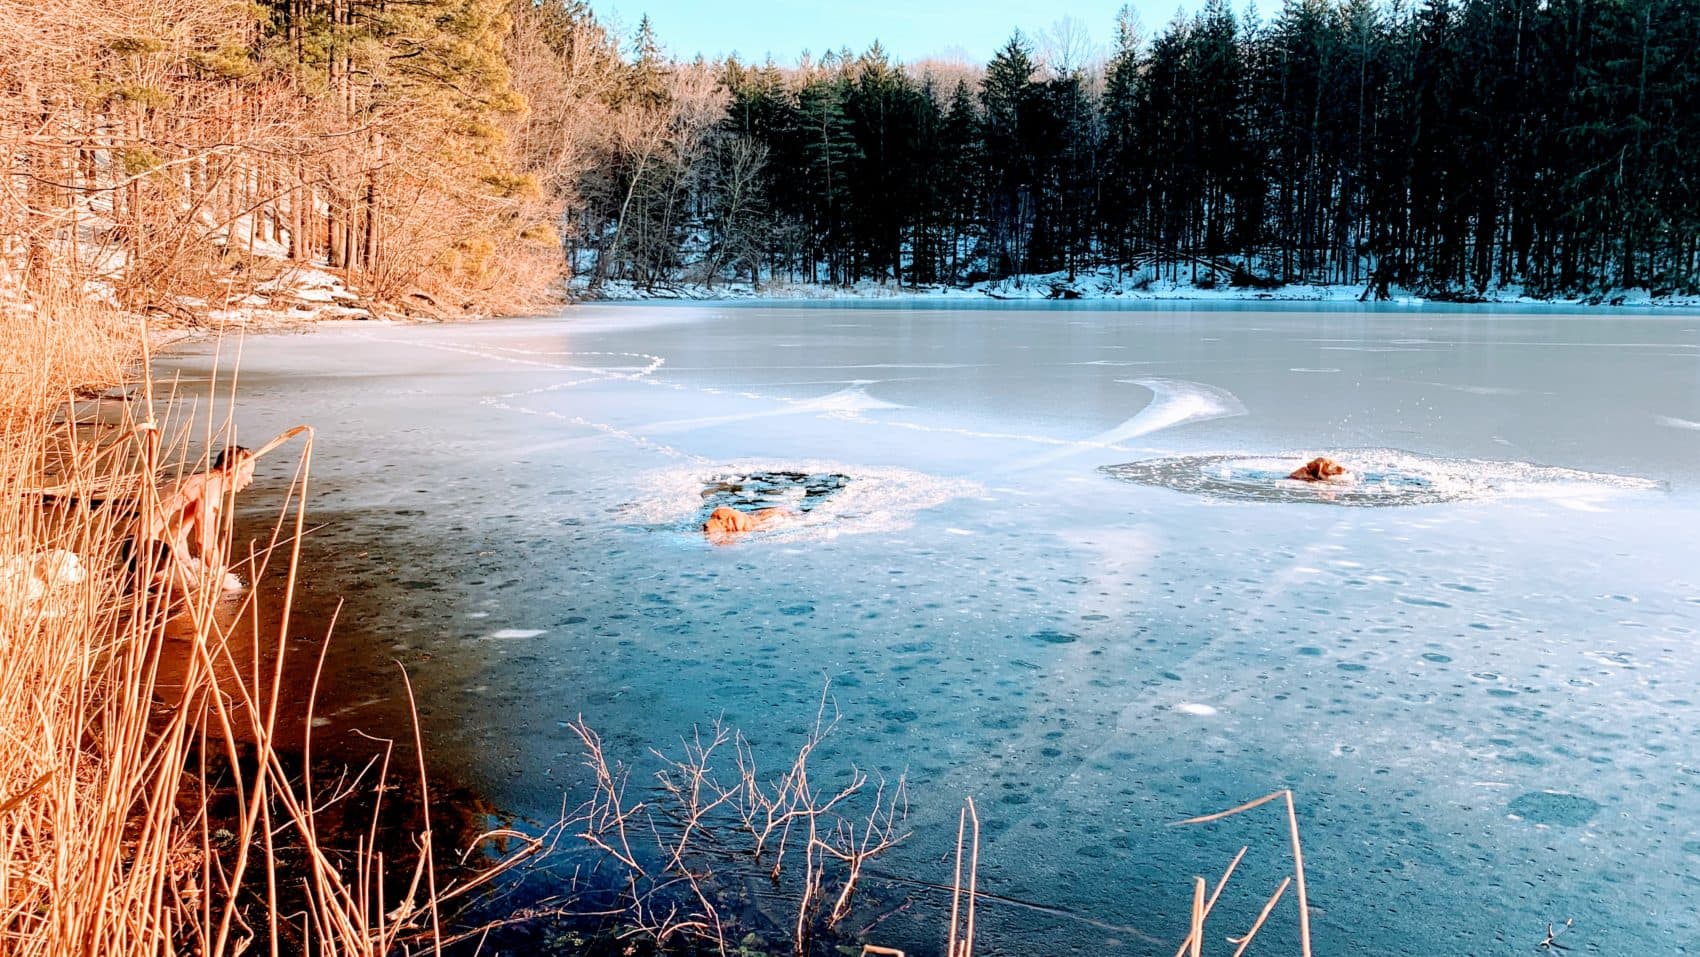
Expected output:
(1485, 703)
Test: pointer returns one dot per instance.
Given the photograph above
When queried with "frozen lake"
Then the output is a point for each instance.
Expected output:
(1476, 666)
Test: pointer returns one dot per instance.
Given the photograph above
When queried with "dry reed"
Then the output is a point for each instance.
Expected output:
(127, 716)
(1297, 877)
(965, 879)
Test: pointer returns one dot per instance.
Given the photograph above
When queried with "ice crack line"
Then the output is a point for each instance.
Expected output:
(613, 431)
(642, 376)
(596, 373)
(503, 401)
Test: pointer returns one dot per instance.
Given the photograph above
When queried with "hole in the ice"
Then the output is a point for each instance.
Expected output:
(795, 491)
(792, 502)
(1376, 478)
(774, 498)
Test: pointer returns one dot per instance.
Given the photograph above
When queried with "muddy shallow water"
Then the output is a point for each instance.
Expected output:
(1048, 561)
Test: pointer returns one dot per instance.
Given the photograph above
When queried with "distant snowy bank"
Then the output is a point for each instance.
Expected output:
(1099, 285)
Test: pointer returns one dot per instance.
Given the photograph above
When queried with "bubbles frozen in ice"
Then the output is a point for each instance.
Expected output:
(1378, 477)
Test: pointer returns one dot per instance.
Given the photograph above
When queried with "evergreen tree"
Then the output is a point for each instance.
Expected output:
(1006, 94)
(959, 179)
(1448, 147)
(1123, 162)
(828, 150)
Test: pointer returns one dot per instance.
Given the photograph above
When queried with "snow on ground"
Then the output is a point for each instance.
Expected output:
(260, 286)
(300, 294)
(1102, 284)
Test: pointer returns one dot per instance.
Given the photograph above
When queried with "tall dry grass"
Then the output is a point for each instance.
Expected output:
(145, 807)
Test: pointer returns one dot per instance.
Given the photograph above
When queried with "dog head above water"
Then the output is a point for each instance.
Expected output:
(725, 524)
(725, 521)
(1319, 469)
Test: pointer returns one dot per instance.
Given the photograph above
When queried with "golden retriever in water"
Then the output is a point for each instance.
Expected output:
(725, 524)
(1319, 469)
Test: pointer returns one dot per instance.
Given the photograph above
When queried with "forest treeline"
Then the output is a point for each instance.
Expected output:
(1449, 147)
(469, 153)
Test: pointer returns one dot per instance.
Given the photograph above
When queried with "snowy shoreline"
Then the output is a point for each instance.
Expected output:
(1098, 286)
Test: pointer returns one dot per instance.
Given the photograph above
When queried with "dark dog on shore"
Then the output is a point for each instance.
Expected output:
(1319, 469)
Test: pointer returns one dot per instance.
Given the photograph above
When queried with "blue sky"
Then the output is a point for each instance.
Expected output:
(909, 29)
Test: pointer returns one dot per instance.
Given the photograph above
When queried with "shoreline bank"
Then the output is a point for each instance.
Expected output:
(1099, 287)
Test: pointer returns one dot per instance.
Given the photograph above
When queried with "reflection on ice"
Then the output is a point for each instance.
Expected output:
(1378, 477)
(505, 634)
